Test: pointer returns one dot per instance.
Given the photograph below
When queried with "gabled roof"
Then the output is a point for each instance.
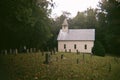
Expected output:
(77, 34)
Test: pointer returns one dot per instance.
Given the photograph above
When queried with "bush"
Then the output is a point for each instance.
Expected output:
(98, 49)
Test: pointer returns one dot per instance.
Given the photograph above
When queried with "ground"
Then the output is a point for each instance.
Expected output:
(73, 66)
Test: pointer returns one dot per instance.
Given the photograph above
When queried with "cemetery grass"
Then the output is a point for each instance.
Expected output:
(30, 67)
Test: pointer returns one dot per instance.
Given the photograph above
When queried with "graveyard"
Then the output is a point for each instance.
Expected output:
(59, 66)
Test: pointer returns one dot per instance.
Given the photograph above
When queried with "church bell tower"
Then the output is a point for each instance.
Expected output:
(65, 26)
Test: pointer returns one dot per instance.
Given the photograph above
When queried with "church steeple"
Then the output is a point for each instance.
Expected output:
(65, 26)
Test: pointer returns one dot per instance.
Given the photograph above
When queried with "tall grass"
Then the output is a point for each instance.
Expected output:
(30, 67)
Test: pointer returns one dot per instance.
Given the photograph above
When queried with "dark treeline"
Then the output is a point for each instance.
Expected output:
(24, 23)
(27, 23)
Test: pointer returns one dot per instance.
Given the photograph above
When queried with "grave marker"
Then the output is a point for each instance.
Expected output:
(47, 58)
(62, 56)
(5, 52)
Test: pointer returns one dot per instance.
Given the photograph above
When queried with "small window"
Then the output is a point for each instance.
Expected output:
(64, 46)
(85, 46)
(74, 46)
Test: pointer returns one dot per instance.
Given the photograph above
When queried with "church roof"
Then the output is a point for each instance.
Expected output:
(77, 34)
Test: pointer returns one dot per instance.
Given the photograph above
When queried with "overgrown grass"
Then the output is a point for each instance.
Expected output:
(30, 67)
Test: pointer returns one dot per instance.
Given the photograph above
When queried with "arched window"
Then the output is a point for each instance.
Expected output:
(64, 46)
(75, 46)
(85, 46)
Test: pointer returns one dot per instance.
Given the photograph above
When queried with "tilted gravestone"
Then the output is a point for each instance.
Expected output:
(77, 51)
(10, 51)
(62, 56)
(31, 50)
(27, 50)
(5, 52)
(16, 51)
(47, 58)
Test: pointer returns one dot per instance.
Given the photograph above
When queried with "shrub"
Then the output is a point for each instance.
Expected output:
(98, 49)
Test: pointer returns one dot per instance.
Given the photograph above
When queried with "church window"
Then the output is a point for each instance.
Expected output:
(64, 46)
(74, 46)
(85, 46)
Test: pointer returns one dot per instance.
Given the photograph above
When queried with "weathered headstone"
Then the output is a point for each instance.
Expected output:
(47, 56)
(62, 56)
(24, 49)
(27, 50)
(16, 51)
(34, 49)
(77, 51)
(31, 50)
(10, 51)
(5, 52)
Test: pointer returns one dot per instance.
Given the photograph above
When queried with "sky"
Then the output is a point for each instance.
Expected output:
(72, 6)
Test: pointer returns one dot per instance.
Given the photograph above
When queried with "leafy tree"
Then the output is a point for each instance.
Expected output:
(98, 49)
(24, 23)
(111, 9)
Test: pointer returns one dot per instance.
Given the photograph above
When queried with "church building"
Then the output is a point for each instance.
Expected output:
(72, 40)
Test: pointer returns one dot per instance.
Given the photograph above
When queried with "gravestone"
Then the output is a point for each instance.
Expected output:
(16, 51)
(27, 50)
(34, 49)
(24, 49)
(77, 51)
(10, 51)
(47, 58)
(31, 50)
(62, 56)
(55, 50)
(5, 52)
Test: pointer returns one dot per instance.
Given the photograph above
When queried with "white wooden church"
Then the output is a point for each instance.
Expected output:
(72, 40)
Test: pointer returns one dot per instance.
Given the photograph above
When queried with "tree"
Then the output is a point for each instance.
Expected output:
(24, 23)
(98, 49)
(85, 20)
(111, 9)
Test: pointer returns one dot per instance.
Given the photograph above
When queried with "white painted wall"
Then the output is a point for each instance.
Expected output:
(80, 46)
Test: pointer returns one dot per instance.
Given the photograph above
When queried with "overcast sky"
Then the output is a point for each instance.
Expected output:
(72, 6)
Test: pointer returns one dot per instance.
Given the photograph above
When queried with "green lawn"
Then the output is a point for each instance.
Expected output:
(30, 67)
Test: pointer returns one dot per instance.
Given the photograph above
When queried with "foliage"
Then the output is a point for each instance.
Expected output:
(111, 10)
(98, 49)
(24, 23)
